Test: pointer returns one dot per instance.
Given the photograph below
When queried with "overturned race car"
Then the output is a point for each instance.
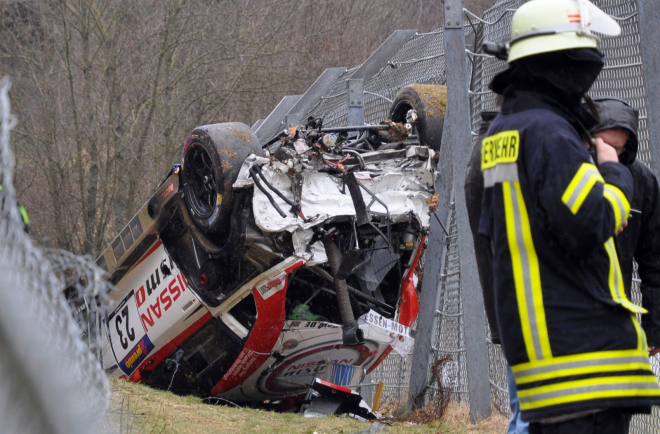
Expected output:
(258, 270)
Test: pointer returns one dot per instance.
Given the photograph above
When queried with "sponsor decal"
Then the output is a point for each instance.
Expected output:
(137, 355)
(316, 367)
(153, 309)
(243, 364)
(272, 286)
(290, 344)
(378, 320)
(167, 191)
(311, 325)
(133, 327)
(128, 337)
(332, 362)
(162, 303)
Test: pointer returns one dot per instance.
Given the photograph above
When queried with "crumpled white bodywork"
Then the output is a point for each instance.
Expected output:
(403, 184)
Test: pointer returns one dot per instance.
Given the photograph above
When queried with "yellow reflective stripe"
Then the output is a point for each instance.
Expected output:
(576, 358)
(620, 204)
(592, 388)
(526, 274)
(567, 365)
(641, 336)
(580, 186)
(535, 275)
(517, 271)
(616, 208)
(641, 365)
(615, 281)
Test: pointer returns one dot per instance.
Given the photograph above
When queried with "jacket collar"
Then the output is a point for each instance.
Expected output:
(521, 100)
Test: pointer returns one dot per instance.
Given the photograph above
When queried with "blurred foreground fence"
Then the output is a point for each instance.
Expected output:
(50, 382)
(344, 96)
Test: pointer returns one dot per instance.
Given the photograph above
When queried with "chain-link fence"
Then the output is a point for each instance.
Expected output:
(421, 60)
(50, 381)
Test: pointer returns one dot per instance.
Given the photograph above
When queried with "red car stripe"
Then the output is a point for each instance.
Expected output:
(409, 307)
(262, 339)
(335, 386)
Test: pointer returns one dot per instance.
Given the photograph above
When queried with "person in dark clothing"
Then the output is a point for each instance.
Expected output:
(617, 126)
(24, 215)
(578, 354)
(474, 189)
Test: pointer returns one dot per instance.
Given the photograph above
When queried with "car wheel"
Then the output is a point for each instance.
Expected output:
(212, 157)
(430, 102)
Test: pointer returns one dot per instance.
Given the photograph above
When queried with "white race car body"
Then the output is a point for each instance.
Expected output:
(259, 316)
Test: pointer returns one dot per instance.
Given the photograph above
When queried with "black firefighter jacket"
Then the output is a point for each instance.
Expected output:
(567, 328)
(641, 240)
(474, 192)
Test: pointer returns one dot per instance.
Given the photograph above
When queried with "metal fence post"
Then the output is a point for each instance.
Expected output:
(375, 62)
(455, 150)
(436, 255)
(459, 136)
(649, 34)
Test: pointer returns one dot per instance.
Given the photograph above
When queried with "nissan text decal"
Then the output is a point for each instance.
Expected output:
(162, 299)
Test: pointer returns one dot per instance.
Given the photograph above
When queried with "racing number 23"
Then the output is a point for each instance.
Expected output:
(130, 333)
(125, 328)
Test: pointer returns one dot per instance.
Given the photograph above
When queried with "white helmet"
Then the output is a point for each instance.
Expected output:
(543, 26)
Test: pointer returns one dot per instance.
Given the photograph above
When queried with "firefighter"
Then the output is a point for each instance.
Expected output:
(551, 213)
(617, 125)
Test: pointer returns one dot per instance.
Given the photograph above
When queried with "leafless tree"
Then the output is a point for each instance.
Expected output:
(107, 90)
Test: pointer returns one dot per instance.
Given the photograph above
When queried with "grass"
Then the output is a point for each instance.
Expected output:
(137, 409)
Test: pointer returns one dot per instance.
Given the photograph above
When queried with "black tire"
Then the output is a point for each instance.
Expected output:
(212, 157)
(430, 102)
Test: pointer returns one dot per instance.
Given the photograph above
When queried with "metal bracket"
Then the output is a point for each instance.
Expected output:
(453, 14)
(355, 101)
(356, 92)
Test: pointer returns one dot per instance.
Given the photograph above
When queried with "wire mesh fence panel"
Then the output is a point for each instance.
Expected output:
(449, 333)
(421, 60)
(394, 371)
(43, 357)
(333, 106)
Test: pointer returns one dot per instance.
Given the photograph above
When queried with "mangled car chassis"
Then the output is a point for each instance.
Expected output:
(258, 270)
